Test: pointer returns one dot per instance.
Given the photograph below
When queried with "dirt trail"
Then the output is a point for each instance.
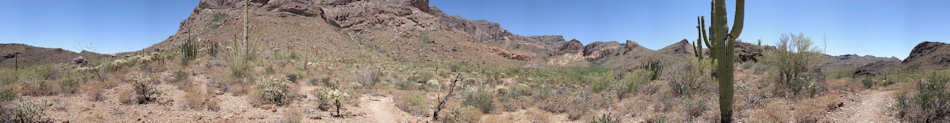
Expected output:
(867, 107)
(382, 109)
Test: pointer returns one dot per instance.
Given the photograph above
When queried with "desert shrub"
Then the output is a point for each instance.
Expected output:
(368, 77)
(414, 102)
(145, 89)
(867, 82)
(94, 91)
(606, 118)
(574, 104)
(216, 20)
(23, 112)
(694, 107)
(631, 82)
(292, 116)
(198, 99)
(689, 78)
(839, 74)
(292, 77)
(421, 76)
(273, 90)
(68, 86)
(795, 62)
(600, 82)
(180, 76)
(462, 115)
(931, 103)
(579, 74)
(479, 98)
(7, 94)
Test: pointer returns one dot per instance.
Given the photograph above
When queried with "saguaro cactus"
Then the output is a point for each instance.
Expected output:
(721, 49)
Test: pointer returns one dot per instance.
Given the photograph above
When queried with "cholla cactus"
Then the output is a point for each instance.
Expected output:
(274, 90)
(334, 96)
(145, 89)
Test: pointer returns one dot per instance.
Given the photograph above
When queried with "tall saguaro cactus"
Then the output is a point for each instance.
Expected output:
(721, 49)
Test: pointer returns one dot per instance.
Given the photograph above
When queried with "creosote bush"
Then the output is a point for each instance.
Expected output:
(273, 90)
(479, 98)
(414, 103)
(631, 82)
(931, 102)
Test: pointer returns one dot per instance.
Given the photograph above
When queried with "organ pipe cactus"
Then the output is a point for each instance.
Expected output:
(721, 49)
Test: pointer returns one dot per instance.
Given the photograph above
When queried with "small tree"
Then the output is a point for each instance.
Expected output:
(796, 62)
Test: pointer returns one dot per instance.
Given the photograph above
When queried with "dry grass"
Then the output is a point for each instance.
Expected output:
(94, 90)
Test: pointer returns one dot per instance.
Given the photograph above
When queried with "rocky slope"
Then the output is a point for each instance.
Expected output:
(928, 55)
(30, 55)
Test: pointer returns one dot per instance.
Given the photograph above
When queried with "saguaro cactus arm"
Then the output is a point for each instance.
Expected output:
(740, 17)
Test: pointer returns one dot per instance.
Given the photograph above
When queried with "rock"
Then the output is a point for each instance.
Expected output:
(876, 68)
(512, 55)
(571, 47)
(629, 45)
(597, 50)
(746, 52)
(683, 47)
(79, 61)
(421, 4)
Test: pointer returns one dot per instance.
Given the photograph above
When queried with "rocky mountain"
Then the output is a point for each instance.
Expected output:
(928, 55)
(925, 56)
(31, 55)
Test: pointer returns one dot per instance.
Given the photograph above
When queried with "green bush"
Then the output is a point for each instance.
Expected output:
(795, 61)
(479, 98)
(631, 82)
(414, 103)
(931, 103)
(867, 82)
(273, 90)
(421, 76)
(7, 94)
(689, 78)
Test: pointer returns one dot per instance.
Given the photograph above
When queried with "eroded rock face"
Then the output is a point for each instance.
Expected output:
(597, 50)
(421, 4)
(363, 15)
(746, 52)
(629, 46)
(571, 47)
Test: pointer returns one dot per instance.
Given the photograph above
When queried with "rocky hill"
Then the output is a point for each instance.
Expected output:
(928, 55)
(30, 55)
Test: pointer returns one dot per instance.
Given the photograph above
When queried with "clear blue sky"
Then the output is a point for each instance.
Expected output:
(875, 27)
(107, 26)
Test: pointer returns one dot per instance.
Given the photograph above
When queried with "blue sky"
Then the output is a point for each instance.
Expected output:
(874, 27)
(107, 26)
